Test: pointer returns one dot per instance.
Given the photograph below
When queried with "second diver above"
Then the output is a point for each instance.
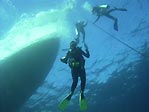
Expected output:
(79, 28)
(105, 10)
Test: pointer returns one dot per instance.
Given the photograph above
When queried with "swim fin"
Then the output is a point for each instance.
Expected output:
(64, 103)
(82, 102)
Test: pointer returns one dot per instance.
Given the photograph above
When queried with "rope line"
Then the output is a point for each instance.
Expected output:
(114, 37)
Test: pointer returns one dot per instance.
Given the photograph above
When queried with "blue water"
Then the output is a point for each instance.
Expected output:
(117, 75)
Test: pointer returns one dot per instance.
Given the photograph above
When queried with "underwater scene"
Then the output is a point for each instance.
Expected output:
(74, 56)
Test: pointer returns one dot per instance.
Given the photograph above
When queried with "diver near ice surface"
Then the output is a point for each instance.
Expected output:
(75, 59)
(79, 28)
(105, 10)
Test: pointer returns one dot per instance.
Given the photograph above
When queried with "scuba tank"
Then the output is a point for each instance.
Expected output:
(103, 8)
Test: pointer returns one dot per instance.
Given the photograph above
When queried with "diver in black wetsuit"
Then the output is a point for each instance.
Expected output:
(79, 27)
(76, 61)
(104, 10)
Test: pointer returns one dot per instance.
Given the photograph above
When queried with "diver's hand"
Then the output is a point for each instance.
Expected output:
(64, 60)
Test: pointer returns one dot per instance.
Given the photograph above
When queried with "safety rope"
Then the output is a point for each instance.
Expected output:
(114, 37)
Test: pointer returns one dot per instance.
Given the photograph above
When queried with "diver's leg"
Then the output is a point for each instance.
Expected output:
(117, 9)
(115, 21)
(77, 37)
(122, 9)
(111, 10)
(75, 80)
(83, 80)
(83, 34)
(74, 83)
(82, 100)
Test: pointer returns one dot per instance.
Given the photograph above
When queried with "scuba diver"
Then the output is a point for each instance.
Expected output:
(76, 62)
(79, 28)
(104, 10)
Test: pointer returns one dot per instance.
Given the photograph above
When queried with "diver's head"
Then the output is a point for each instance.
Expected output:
(73, 44)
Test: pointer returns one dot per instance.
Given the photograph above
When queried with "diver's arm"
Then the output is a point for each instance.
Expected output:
(96, 19)
(65, 58)
(86, 54)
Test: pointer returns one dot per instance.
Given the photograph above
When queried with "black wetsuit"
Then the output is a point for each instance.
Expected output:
(76, 61)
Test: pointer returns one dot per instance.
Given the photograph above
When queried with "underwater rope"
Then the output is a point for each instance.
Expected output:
(114, 37)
